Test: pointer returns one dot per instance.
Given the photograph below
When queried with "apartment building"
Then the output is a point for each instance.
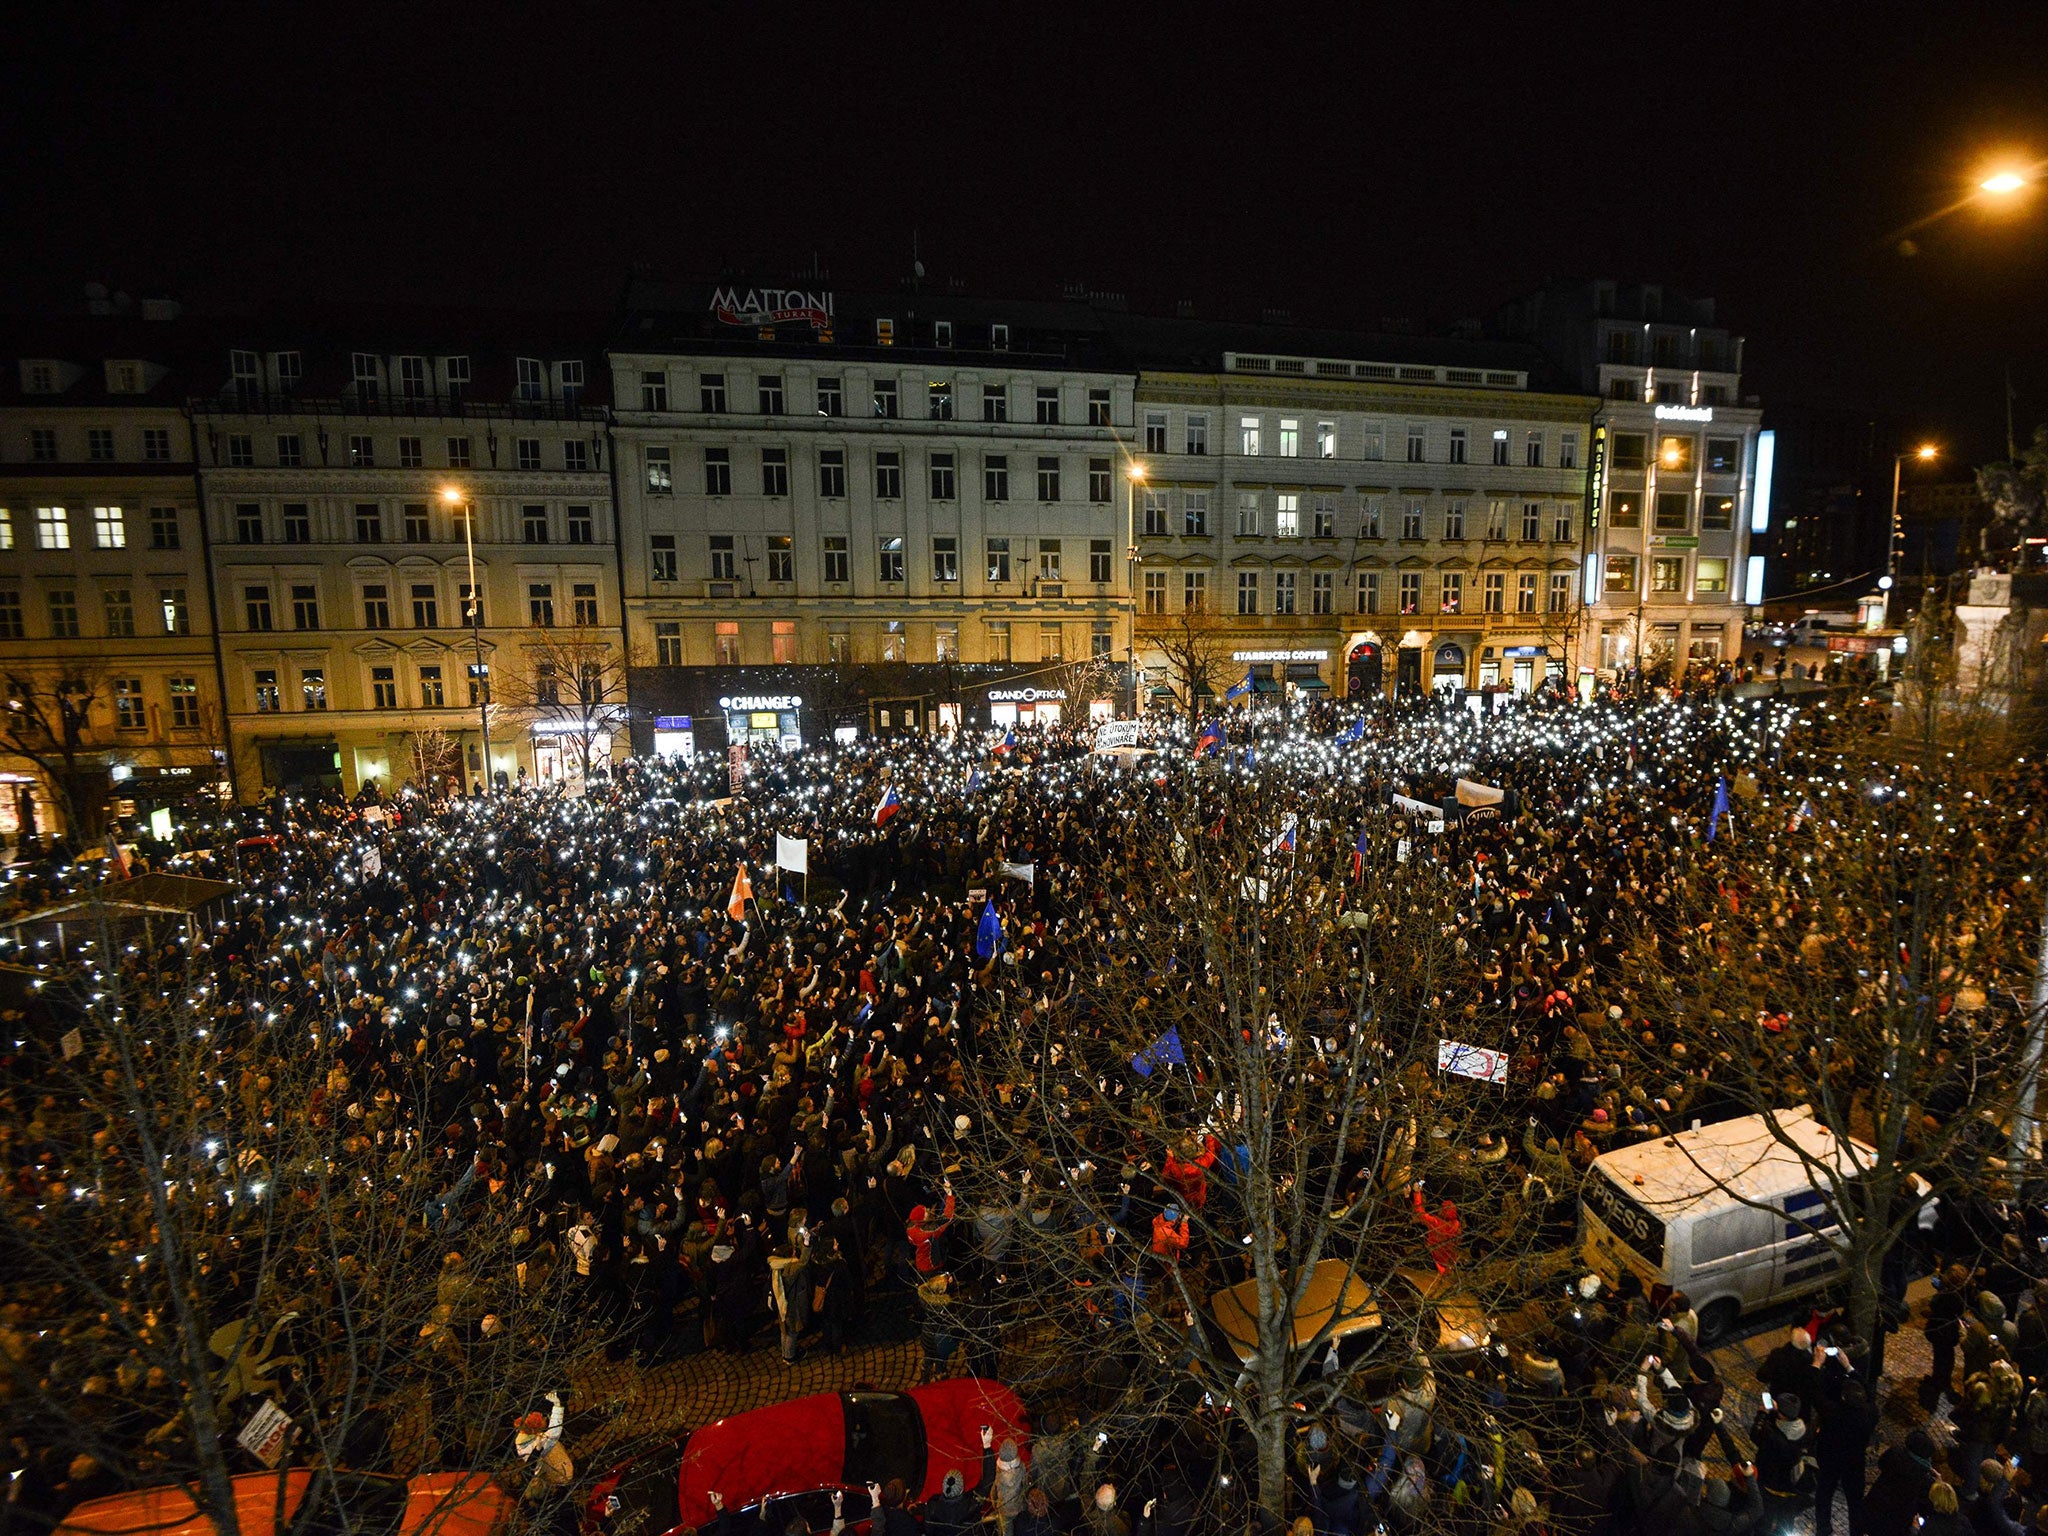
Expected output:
(1357, 513)
(367, 477)
(819, 486)
(106, 623)
(1682, 471)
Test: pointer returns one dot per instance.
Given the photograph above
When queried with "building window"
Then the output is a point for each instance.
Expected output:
(454, 371)
(999, 337)
(1450, 592)
(433, 688)
(782, 642)
(1496, 521)
(1568, 450)
(838, 559)
(532, 376)
(1247, 514)
(383, 688)
(942, 333)
(426, 606)
(163, 529)
(653, 390)
(945, 642)
(1625, 510)
(1724, 455)
(939, 400)
(995, 477)
(945, 559)
(1155, 431)
(533, 524)
(1048, 479)
(1048, 405)
(1368, 591)
(241, 448)
(711, 393)
(129, 713)
(1411, 521)
(774, 471)
(291, 451)
(1248, 439)
(1099, 482)
(369, 523)
(1049, 560)
(1155, 514)
(1710, 574)
(885, 399)
(1717, 512)
(479, 683)
(527, 450)
(583, 601)
(995, 402)
(298, 524)
(1561, 525)
(417, 530)
(717, 472)
(998, 640)
(1667, 574)
(1454, 520)
(1369, 518)
(458, 453)
(1247, 592)
(575, 455)
(1098, 408)
(109, 528)
(1155, 591)
(885, 333)
(1525, 593)
(725, 643)
(661, 557)
(1418, 443)
(1532, 448)
(184, 692)
(837, 648)
(540, 604)
(7, 527)
(256, 608)
(265, 689)
(1325, 526)
(1494, 593)
(1532, 521)
(1674, 511)
(1621, 573)
(156, 444)
(42, 444)
(1194, 514)
(53, 528)
(668, 643)
(723, 556)
(1630, 450)
(176, 610)
(1411, 592)
(362, 450)
(831, 400)
(1287, 515)
(1194, 591)
(1321, 592)
(889, 557)
(63, 613)
(1052, 644)
(376, 606)
(998, 560)
(660, 481)
(781, 558)
(1457, 445)
(99, 445)
(768, 394)
(10, 615)
(888, 476)
(410, 453)
(943, 484)
(1500, 445)
(249, 522)
(1198, 432)
(313, 688)
(1284, 583)
(832, 474)
(1674, 455)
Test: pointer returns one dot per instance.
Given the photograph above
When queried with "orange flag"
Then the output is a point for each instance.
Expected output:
(742, 893)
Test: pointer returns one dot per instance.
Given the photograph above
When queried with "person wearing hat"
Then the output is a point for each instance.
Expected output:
(1006, 1497)
(1784, 1458)
(1333, 1497)
(1898, 1496)
(1944, 1327)
(956, 1510)
(538, 1441)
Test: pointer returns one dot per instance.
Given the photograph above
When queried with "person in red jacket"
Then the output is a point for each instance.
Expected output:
(1170, 1235)
(1443, 1231)
(1189, 1174)
(922, 1233)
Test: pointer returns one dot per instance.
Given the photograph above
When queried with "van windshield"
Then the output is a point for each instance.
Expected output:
(1625, 1216)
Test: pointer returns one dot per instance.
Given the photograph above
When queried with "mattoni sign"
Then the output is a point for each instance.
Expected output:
(772, 306)
(1685, 413)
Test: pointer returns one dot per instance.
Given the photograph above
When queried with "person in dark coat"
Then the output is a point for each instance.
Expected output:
(956, 1510)
(1944, 1329)
(1840, 1447)
(1583, 1503)
(1899, 1495)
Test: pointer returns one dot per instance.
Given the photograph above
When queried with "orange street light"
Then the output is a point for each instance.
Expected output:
(2002, 183)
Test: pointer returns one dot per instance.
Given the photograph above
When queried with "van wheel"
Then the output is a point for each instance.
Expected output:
(1718, 1320)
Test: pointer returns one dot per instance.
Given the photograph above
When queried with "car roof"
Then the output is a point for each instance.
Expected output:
(1745, 1159)
(790, 1447)
(1334, 1290)
(438, 1504)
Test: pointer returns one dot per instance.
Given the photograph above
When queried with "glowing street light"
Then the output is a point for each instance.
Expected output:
(1926, 453)
(479, 673)
(2002, 183)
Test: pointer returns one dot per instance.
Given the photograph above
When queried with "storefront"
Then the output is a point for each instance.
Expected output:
(1448, 671)
(1026, 706)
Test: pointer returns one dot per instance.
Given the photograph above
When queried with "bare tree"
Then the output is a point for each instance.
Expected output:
(1084, 682)
(434, 757)
(1235, 1015)
(570, 684)
(49, 722)
(1194, 648)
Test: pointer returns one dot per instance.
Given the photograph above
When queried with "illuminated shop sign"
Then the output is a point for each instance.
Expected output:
(1279, 655)
(1685, 413)
(752, 701)
(1027, 695)
(758, 307)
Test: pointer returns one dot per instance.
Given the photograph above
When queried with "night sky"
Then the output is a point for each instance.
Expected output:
(1344, 163)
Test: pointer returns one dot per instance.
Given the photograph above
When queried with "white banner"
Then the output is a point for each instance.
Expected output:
(1472, 1061)
(263, 1436)
(792, 854)
(1028, 873)
(1409, 806)
(1112, 734)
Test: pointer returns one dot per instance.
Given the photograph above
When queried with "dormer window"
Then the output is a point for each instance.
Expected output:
(289, 369)
(124, 378)
(412, 377)
(532, 379)
(363, 371)
(885, 333)
(942, 333)
(999, 337)
(456, 372)
(39, 378)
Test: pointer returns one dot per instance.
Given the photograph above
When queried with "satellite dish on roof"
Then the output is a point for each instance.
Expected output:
(917, 269)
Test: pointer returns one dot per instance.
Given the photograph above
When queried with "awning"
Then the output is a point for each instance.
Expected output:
(1313, 680)
(1264, 685)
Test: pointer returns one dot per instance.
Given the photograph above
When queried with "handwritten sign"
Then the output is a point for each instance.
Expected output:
(1472, 1061)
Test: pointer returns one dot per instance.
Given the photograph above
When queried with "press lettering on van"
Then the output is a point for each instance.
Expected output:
(1626, 1219)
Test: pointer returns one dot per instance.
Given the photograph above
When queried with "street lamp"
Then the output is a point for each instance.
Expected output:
(1925, 453)
(1136, 472)
(479, 675)
(2002, 183)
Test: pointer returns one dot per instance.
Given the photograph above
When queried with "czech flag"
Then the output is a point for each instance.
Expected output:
(1212, 739)
(1283, 840)
(1358, 858)
(888, 807)
(1240, 688)
(1007, 744)
(742, 893)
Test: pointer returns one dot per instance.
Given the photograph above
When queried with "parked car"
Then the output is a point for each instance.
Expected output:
(436, 1504)
(805, 1450)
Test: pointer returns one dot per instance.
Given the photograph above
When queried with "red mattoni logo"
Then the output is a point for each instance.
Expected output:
(760, 307)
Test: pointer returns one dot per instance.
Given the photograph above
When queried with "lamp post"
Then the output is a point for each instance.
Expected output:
(1925, 453)
(1137, 479)
(478, 674)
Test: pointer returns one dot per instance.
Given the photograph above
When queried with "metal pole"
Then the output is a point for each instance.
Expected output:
(476, 630)
(1891, 537)
(2030, 1056)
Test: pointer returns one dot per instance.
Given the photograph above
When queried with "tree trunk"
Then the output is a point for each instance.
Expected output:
(1866, 1305)
(1271, 1437)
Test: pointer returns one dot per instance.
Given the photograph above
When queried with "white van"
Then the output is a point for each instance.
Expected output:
(1727, 1213)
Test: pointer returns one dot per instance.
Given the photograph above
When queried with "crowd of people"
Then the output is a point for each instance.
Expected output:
(721, 1094)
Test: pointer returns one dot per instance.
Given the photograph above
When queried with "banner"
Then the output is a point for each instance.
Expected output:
(792, 855)
(1112, 734)
(1408, 805)
(735, 766)
(263, 1436)
(1472, 1061)
(1028, 873)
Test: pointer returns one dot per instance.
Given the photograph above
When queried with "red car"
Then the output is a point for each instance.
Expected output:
(805, 1450)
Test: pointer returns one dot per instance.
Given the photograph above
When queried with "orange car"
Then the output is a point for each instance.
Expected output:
(437, 1504)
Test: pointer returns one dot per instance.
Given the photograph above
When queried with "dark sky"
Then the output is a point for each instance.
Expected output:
(1343, 162)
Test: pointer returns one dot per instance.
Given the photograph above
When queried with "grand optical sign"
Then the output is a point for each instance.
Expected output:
(767, 307)
(1279, 655)
(1027, 695)
(1685, 413)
